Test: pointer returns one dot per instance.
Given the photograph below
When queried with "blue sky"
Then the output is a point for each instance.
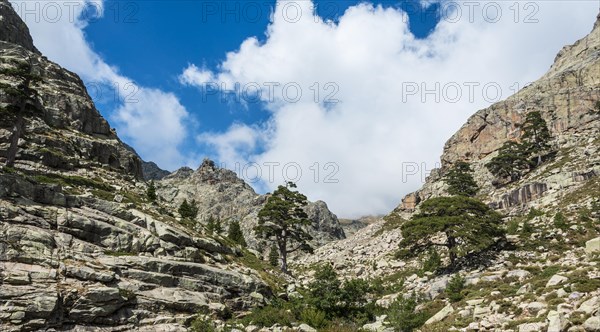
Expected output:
(151, 41)
(382, 85)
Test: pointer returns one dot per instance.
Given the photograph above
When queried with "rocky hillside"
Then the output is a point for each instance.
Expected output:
(81, 246)
(547, 277)
(221, 194)
(567, 98)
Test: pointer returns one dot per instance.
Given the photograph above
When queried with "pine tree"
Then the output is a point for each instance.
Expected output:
(151, 192)
(404, 316)
(455, 288)
(468, 225)
(460, 180)
(510, 162)
(274, 255)
(188, 210)
(25, 94)
(281, 220)
(213, 225)
(535, 136)
(235, 233)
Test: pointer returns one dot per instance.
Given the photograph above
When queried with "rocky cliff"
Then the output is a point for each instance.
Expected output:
(567, 98)
(221, 194)
(61, 127)
(81, 247)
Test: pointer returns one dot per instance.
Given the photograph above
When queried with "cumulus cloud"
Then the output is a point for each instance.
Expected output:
(57, 28)
(235, 144)
(193, 75)
(154, 126)
(375, 101)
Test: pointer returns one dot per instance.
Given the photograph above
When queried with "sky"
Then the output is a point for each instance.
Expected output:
(353, 100)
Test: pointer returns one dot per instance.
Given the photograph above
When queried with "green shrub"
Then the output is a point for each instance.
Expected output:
(269, 316)
(327, 294)
(274, 255)
(325, 291)
(235, 234)
(527, 228)
(433, 262)
(560, 221)
(188, 210)
(533, 212)
(455, 288)
(213, 225)
(403, 316)
(74, 181)
(549, 271)
(512, 228)
(151, 191)
(583, 283)
(314, 318)
(201, 325)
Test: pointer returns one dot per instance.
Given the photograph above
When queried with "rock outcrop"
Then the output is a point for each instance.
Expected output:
(219, 193)
(14, 30)
(567, 97)
(61, 127)
(151, 171)
(81, 247)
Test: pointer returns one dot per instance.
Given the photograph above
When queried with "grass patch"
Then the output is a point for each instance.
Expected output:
(129, 197)
(263, 268)
(74, 181)
(102, 194)
(515, 323)
(391, 222)
(583, 283)
(590, 189)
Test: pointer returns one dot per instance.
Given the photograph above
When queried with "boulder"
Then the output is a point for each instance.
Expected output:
(590, 306)
(440, 315)
(592, 246)
(532, 327)
(557, 322)
(556, 280)
(592, 324)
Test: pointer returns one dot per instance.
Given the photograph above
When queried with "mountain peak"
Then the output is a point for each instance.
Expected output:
(207, 164)
(13, 29)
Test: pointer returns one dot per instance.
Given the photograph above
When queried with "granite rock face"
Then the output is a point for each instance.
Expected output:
(14, 30)
(221, 194)
(81, 247)
(567, 97)
(62, 129)
(151, 171)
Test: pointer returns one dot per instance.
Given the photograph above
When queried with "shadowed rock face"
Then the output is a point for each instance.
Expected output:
(153, 172)
(80, 246)
(521, 196)
(62, 128)
(14, 30)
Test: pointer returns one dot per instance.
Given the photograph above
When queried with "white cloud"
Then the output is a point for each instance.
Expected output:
(154, 125)
(370, 54)
(151, 120)
(234, 145)
(193, 75)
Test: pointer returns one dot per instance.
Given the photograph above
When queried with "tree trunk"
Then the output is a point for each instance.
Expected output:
(451, 245)
(283, 254)
(14, 138)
